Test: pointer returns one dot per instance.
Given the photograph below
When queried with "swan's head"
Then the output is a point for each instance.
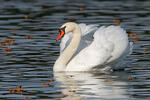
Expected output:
(66, 28)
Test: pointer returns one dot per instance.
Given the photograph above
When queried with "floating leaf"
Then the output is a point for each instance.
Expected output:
(108, 80)
(30, 93)
(132, 34)
(81, 8)
(144, 51)
(7, 50)
(137, 38)
(130, 78)
(11, 90)
(11, 41)
(19, 89)
(26, 17)
(26, 98)
(12, 31)
(50, 80)
(1, 43)
(7, 44)
(132, 24)
(28, 37)
(117, 21)
(45, 84)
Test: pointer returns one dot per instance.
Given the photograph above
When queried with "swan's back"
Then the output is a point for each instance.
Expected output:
(112, 37)
(110, 44)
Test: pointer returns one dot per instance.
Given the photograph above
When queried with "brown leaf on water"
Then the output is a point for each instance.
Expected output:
(1, 43)
(108, 80)
(30, 93)
(130, 78)
(50, 80)
(137, 38)
(19, 89)
(132, 24)
(132, 34)
(7, 44)
(7, 50)
(45, 84)
(26, 17)
(12, 31)
(28, 37)
(145, 51)
(81, 8)
(117, 21)
(26, 98)
(129, 35)
(11, 90)
(59, 99)
(11, 41)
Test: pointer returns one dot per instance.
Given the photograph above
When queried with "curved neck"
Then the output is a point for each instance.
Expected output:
(65, 57)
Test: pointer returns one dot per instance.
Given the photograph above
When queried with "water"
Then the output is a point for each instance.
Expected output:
(29, 61)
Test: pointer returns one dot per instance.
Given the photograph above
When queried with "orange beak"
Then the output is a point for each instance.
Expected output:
(61, 33)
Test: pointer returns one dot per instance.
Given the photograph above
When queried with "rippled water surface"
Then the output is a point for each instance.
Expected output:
(28, 62)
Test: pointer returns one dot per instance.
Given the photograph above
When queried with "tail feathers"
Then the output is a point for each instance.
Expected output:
(85, 29)
(130, 47)
(122, 63)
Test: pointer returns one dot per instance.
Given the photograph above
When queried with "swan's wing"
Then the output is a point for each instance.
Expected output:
(109, 44)
(86, 37)
(121, 62)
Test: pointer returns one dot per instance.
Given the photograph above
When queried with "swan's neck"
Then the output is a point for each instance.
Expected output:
(65, 57)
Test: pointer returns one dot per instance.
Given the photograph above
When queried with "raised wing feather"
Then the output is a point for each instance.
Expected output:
(87, 37)
(109, 44)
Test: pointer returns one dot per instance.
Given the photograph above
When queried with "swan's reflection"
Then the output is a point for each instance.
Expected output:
(91, 85)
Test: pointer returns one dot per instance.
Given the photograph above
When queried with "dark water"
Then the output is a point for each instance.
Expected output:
(29, 61)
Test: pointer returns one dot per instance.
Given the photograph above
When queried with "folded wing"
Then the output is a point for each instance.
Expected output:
(109, 44)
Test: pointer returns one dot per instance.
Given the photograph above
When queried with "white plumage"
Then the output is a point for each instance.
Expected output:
(99, 48)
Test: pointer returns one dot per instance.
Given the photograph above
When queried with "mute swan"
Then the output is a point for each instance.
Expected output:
(79, 52)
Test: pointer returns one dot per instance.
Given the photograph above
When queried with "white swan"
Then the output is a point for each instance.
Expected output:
(79, 52)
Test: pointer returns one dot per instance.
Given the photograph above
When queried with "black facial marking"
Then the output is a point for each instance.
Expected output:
(63, 28)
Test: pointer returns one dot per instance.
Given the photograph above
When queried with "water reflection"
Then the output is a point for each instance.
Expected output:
(91, 86)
